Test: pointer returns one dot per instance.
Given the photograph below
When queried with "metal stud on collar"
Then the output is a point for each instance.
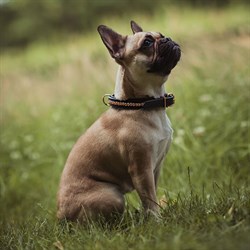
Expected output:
(165, 101)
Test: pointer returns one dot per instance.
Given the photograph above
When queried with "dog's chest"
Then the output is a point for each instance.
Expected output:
(162, 139)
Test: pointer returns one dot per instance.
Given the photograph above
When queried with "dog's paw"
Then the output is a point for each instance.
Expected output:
(153, 215)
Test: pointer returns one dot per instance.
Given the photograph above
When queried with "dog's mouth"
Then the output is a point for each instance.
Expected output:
(168, 53)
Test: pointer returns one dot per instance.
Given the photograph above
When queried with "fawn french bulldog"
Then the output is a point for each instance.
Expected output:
(123, 150)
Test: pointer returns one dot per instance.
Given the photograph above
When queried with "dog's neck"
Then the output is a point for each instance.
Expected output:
(127, 88)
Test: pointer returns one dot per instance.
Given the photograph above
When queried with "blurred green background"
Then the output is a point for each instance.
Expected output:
(54, 72)
(24, 21)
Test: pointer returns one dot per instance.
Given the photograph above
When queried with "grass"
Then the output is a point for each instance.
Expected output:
(50, 94)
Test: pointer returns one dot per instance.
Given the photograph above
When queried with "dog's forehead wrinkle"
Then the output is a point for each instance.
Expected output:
(133, 41)
(155, 34)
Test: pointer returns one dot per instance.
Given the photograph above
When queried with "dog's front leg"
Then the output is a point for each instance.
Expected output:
(143, 180)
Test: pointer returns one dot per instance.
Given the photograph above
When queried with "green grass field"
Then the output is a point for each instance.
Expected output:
(51, 92)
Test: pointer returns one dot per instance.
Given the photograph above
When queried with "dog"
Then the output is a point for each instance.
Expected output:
(123, 150)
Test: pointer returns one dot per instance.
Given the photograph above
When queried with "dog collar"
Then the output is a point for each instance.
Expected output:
(139, 103)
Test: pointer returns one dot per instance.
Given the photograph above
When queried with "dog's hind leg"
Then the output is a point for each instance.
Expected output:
(102, 200)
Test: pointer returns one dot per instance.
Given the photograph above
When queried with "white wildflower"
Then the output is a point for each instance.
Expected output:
(199, 131)
(28, 138)
(205, 98)
(244, 124)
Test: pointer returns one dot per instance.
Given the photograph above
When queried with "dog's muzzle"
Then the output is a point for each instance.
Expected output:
(168, 53)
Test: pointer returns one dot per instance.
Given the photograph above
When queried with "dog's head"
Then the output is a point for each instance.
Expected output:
(144, 54)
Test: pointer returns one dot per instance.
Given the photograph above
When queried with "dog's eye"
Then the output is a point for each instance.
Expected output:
(147, 43)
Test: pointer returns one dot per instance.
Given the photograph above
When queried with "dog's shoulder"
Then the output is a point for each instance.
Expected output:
(136, 126)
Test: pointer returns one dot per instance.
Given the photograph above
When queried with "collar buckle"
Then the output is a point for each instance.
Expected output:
(105, 101)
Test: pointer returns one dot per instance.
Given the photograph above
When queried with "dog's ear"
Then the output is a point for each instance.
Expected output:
(135, 27)
(113, 41)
